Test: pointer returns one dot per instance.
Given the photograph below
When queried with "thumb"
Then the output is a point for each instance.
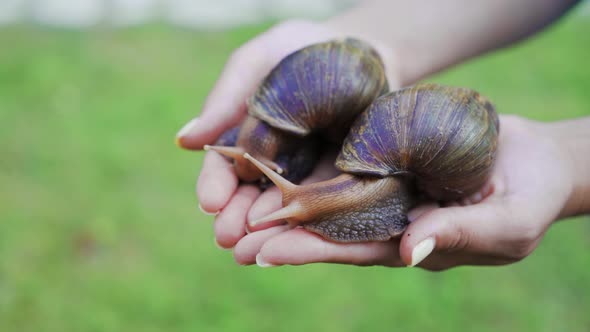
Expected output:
(471, 228)
(225, 106)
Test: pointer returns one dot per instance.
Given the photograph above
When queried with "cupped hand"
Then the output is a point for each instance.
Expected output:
(218, 187)
(501, 224)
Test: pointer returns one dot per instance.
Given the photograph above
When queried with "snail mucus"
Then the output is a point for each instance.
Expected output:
(319, 88)
(428, 138)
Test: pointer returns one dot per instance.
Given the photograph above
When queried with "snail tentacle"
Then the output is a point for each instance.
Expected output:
(237, 154)
(233, 152)
(283, 184)
(288, 212)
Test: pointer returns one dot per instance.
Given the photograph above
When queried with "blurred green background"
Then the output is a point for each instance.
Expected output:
(99, 226)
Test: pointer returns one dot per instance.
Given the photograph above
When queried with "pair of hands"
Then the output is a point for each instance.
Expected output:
(501, 224)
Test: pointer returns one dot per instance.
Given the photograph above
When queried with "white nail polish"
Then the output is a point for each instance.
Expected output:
(187, 127)
(422, 250)
(476, 198)
(260, 262)
(207, 213)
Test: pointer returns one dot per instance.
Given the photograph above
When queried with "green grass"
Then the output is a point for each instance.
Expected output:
(99, 226)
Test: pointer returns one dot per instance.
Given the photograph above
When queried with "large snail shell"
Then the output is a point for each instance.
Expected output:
(444, 136)
(322, 85)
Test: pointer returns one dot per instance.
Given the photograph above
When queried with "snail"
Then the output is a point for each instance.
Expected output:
(322, 87)
(431, 139)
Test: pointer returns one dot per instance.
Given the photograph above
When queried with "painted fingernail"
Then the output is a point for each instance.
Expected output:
(207, 213)
(186, 129)
(219, 246)
(422, 250)
(260, 262)
(476, 198)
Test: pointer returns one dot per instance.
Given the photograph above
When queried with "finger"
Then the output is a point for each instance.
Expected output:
(421, 209)
(268, 202)
(440, 261)
(217, 182)
(229, 224)
(298, 246)
(491, 186)
(225, 106)
(472, 229)
(249, 246)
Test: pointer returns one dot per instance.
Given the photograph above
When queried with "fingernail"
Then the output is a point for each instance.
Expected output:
(219, 246)
(476, 198)
(260, 262)
(422, 250)
(207, 213)
(186, 129)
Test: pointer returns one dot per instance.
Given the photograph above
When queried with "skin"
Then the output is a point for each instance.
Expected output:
(542, 172)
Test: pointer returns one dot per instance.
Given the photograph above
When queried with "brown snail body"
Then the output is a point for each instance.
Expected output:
(322, 87)
(428, 138)
(278, 150)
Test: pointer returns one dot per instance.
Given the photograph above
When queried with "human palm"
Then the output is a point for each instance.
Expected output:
(500, 224)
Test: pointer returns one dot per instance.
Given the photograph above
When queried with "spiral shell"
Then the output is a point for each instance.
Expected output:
(446, 137)
(320, 86)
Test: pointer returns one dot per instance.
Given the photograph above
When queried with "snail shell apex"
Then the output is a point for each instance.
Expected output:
(322, 85)
(446, 137)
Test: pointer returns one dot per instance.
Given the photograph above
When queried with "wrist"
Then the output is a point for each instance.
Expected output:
(572, 141)
(388, 53)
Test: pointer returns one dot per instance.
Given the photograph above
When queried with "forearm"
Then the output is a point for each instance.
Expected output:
(423, 37)
(573, 138)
